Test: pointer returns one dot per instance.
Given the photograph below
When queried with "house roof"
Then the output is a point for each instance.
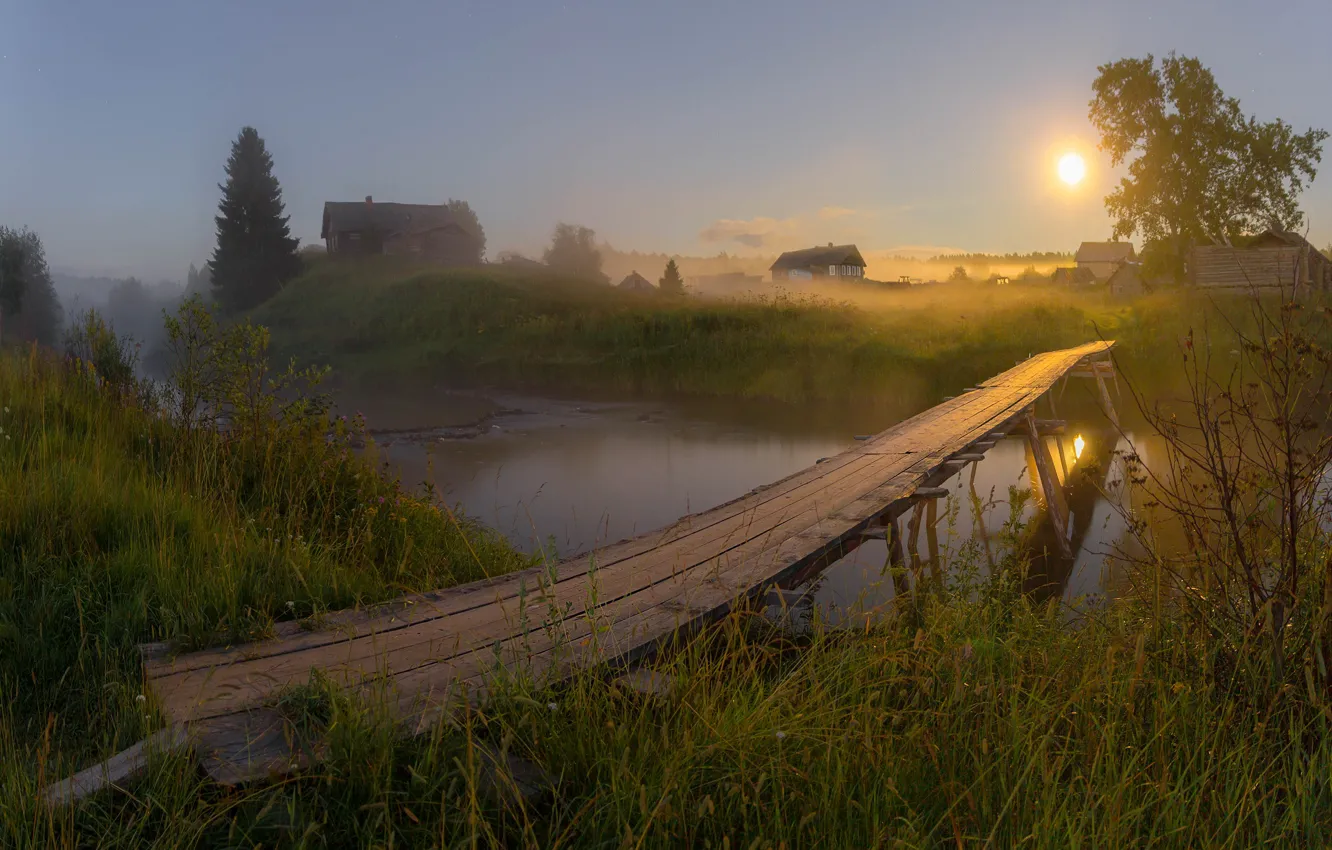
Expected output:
(1104, 252)
(830, 255)
(636, 282)
(1278, 238)
(1073, 274)
(389, 218)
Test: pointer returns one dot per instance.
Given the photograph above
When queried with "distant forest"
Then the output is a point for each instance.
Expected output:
(1031, 258)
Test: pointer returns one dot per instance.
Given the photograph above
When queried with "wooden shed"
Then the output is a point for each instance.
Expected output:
(1272, 260)
(635, 282)
(1127, 281)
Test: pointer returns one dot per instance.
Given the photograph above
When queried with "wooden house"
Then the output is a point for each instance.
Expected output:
(426, 231)
(1128, 281)
(834, 261)
(1274, 259)
(1102, 258)
(635, 282)
(1073, 276)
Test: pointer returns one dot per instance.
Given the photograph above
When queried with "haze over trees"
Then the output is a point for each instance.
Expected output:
(573, 251)
(1199, 169)
(29, 307)
(256, 253)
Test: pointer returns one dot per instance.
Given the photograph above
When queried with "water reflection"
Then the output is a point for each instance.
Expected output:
(573, 477)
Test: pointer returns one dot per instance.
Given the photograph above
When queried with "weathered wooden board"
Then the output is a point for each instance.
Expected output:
(616, 604)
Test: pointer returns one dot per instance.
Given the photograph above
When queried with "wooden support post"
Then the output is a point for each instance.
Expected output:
(1059, 439)
(978, 510)
(932, 542)
(913, 536)
(897, 561)
(1105, 401)
(1054, 494)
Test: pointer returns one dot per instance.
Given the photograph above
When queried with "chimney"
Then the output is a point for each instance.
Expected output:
(369, 201)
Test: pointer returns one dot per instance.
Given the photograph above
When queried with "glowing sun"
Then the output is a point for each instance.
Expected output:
(1072, 169)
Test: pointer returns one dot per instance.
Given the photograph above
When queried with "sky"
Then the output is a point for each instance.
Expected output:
(680, 126)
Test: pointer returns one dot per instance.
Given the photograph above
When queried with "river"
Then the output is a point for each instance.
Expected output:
(570, 476)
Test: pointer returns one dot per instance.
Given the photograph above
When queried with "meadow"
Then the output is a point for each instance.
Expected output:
(975, 716)
(378, 321)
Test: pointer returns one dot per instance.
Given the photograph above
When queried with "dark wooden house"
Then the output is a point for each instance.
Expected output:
(834, 261)
(635, 282)
(425, 231)
(1274, 259)
(1102, 258)
(1073, 276)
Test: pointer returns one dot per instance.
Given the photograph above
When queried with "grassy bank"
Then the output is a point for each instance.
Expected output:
(380, 320)
(118, 527)
(974, 719)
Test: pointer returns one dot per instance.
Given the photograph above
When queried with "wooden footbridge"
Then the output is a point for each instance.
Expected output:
(616, 604)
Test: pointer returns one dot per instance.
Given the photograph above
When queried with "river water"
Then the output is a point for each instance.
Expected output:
(570, 476)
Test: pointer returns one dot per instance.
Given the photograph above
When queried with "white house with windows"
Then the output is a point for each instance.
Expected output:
(832, 261)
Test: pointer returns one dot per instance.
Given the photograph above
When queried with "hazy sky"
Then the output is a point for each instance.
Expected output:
(671, 125)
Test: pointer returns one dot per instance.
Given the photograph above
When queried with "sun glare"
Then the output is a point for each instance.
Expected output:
(1072, 169)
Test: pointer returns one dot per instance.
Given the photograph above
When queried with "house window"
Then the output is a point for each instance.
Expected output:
(832, 271)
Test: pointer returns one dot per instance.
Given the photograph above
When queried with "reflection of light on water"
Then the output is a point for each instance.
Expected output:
(1078, 445)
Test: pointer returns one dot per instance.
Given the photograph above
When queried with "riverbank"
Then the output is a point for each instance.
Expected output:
(975, 717)
(383, 323)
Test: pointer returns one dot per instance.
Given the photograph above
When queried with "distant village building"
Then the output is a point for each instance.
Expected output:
(517, 262)
(635, 282)
(426, 231)
(1102, 258)
(1273, 259)
(1073, 276)
(1127, 281)
(834, 261)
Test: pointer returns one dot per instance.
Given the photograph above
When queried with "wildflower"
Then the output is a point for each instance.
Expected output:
(780, 734)
(291, 606)
(552, 706)
(140, 698)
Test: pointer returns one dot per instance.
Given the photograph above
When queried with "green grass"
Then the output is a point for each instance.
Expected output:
(378, 320)
(977, 719)
(116, 529)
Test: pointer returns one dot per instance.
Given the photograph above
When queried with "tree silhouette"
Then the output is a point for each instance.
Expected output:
(469, 222)
(1199, 170)
(671, 283)
(573, 251)
(29, 307)
(255, 253)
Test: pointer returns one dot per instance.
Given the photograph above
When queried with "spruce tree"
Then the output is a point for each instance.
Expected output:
(671, 283)
(255, 253)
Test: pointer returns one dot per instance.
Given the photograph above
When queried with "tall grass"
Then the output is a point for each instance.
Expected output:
(378, 319)
(118, 527)
(987, 722)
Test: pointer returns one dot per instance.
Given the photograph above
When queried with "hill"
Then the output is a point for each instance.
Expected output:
(380, 321)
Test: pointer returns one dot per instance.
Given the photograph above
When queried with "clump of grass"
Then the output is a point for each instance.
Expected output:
(120, 526)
